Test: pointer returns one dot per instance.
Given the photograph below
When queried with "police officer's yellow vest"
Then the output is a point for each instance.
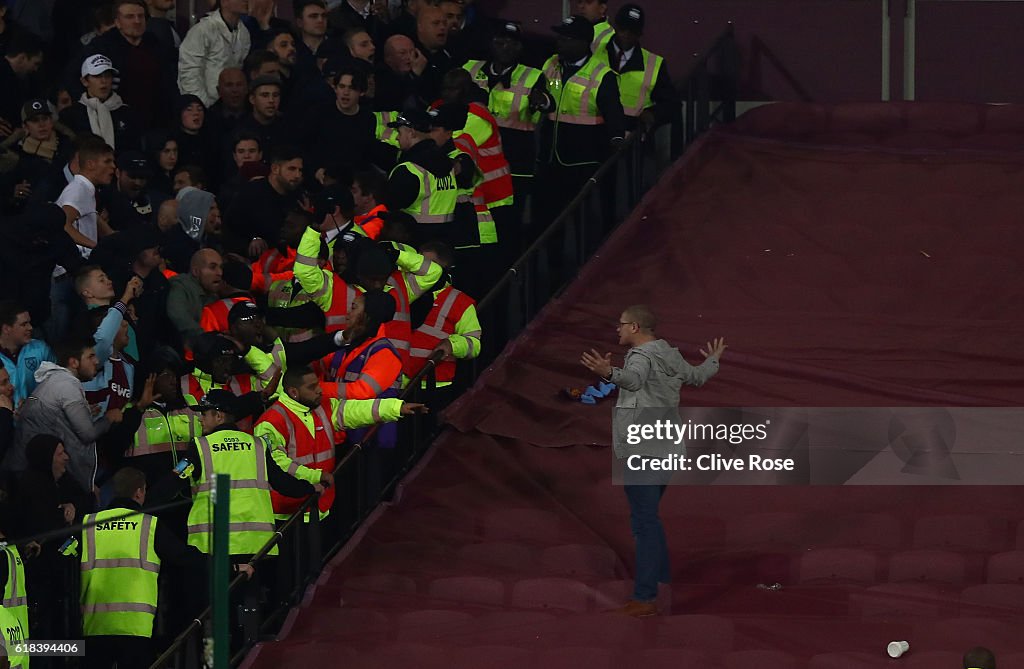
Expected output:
(437, 198)
(383, 132)
(510, 106)
(603, 33)
(13, 634)
(487, 233)
(15, 600)
(119, 574)
(167, 433)
(576, 99)
(244, 457)
(635, 86)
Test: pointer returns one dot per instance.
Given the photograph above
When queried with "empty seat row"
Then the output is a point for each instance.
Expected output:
(859, 566)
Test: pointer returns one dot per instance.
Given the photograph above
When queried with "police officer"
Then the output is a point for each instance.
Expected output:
(122, 551)
(648, 96)
(426, 183)
(517, 96)
(586, 123)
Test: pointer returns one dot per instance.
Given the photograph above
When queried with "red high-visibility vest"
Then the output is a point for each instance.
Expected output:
(399, 329)
(271, 266)
(449, 306)
(315, 451)
(240, 384)
(215, 314)
(489, 157)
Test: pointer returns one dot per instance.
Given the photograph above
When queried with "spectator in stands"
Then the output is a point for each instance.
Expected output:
(163, 156)
(224, 115)
(100, 110)
(432, 42)
(648, 95)
(38, 146)
(96, 168)
(257, 213)
(193, 291)
(196, 209)
(398, 76)
(46, 498)
(220, 40)
(979, 657)
(265, 120)
(311, 22)
(360, 44)
(20, 353)
(196, 144)
(341, 133)
(649, 380)
(146, 69)
(58, 406)
(23, 58)
(245, 148)
(189, 176)
(161, 27)
(114, 382)
(370, 16)
(130, 206)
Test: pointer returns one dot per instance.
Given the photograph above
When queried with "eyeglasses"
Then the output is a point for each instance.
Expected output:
(621, 323)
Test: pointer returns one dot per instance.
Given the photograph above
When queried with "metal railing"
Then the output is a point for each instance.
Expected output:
(185, 651)
(541, 272)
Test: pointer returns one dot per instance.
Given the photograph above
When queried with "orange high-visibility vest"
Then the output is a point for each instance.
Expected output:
(215, 314)
(381, 370)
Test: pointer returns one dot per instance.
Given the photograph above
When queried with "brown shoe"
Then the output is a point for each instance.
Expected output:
(637, 609)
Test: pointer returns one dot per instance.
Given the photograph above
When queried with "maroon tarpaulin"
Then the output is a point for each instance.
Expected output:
(858, 255)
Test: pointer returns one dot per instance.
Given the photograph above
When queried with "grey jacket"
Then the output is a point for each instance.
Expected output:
(58, 406)
(649, 384)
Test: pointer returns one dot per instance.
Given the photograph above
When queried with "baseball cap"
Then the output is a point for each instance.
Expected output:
(98, 64)
(243, 311)
(630, 17)
(575, 27)
(451, 116)
(510, 29)
(34, 108)
(210, 345)
(134, 163)
(415, 119)
(219, 400)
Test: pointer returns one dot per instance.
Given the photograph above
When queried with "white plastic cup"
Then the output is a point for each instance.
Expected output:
(897, 648)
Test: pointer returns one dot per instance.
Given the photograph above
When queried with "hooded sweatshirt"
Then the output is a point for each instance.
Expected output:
(58, 407)
(649, 384)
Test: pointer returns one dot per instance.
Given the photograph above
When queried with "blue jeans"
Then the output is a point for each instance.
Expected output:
(652, 561)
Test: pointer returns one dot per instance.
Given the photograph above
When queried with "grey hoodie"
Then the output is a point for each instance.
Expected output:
(58, 406)
(193, 209)
(649, 384)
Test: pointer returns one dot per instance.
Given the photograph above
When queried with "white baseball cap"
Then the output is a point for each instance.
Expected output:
(98, 64)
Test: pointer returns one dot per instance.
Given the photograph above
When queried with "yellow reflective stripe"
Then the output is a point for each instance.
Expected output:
(435, 218)
(307, 260)
(651, 66)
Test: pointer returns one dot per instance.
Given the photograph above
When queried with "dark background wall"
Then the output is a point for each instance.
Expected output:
(832, 50)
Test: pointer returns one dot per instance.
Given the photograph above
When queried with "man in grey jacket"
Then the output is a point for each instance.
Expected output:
(58, 407)
(193, 291)
(649, 383)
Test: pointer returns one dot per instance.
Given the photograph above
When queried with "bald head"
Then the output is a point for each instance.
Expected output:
(232, 87)
(167, 215)
(431, 27)
(207, 268)
(398, 53)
